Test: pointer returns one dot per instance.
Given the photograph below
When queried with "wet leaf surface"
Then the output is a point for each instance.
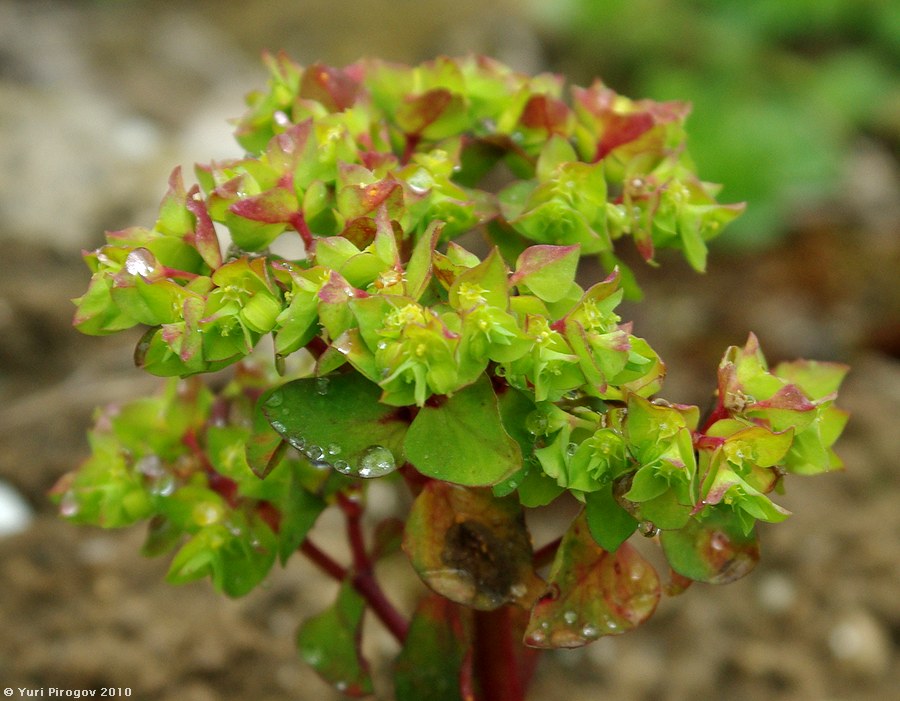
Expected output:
(592, 592)
(715, 550)
(471, 547)
(339, 421)
(329, 643)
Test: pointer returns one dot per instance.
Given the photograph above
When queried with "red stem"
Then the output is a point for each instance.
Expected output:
(497, 662)
(719, 412)
(323, 561)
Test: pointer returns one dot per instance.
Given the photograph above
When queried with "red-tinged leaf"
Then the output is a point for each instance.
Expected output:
(265, 447)
(547, 113)
(275, 206)
(360, 231)
(548, 271)
(618, 125)
(430, 664)
(417, 113)
(329, 643)
(592, 592)
(203, 237)
(334, 88)
(471, 547)
(174, 219)
(619, 129)
(714, 550)
(358, 200)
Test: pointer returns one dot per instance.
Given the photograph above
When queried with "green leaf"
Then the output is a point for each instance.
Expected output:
(548, 271)
(329, 643)
(714, 550)
(339, 420)
(461, 438)
(610, 524)
(236, 557)
(429, 665)
(592, 592)
(470, 546)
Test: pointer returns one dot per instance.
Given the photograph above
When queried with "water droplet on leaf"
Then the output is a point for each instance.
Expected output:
(275, 399)
(164, 486)
(151, 466)
(333, 449)
(322, 385)
(375, 461)
(68, 505)
(536, 423)
(570, 617)
(590, 631)
(648, 529)
(140, 262)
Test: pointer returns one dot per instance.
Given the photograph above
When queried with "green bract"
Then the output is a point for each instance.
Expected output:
(485, 377)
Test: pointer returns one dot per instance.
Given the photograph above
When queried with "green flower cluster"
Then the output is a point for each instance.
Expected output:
(664, 469)
(375, 168)
(179, 460)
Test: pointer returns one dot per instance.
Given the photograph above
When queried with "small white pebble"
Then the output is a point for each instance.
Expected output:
(776, 593)
(860, 642)
(15, 513)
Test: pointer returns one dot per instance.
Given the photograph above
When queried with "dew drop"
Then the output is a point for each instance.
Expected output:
(322, 385)
(590, 631)
(341, 686)
(648, 529)
(164, 486)
(280, 428)
(611, 625)
(151, 466)
(275, 399)
(536, 637)
(315, 452)
(570, 617)
(68, 505)
(295, 441)
(140, 262)
(571, 449)
(375, 461)
(343, 467)
(536, 423)
(518, 590)
(333, 449)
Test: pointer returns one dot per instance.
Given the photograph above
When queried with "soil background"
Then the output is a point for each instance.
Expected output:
(99, 100)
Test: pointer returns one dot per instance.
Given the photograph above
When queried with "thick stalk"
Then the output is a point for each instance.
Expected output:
(502, 666)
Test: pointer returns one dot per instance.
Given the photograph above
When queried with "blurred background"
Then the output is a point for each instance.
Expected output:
(796, 111)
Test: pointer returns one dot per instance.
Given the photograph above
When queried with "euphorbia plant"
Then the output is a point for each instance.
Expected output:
(485, 384)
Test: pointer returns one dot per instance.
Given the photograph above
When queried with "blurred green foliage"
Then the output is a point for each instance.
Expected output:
(781, 90)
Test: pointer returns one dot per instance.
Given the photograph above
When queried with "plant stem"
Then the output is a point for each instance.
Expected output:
(498, 658)
(323, 561)
(365, 584)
